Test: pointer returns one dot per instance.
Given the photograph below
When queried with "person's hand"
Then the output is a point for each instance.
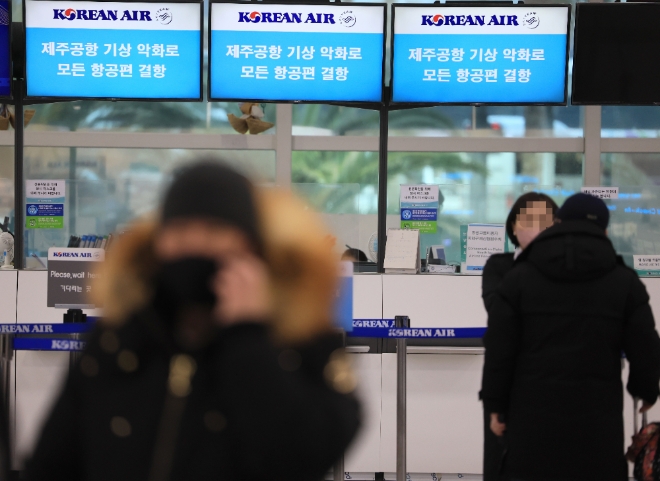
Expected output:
(645, 407)
(243, 291)
(496, 426)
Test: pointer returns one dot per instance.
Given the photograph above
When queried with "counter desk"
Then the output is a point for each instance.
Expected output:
(445, 430)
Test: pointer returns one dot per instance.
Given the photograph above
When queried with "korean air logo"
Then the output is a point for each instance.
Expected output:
(439, 20)
(32, 210)
(406, 214)
(436, 20)
(290, 17)
(69, 14)
(254, 17)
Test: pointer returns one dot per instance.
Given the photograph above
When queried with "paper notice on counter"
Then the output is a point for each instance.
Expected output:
(402, 251)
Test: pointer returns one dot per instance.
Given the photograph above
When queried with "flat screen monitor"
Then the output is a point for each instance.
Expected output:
(112, 50)
(5, 49)
(480, 54)
(296, 53)
(616, 57)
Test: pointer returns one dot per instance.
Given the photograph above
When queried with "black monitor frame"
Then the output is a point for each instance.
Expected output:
(576, 66)
(479, 5)
(349, 103)
(54, 98)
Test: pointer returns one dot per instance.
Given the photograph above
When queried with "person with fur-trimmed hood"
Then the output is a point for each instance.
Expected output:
(215, 358)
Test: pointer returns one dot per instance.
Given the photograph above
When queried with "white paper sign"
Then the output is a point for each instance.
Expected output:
(646, 263)
(602, 192)
(483, 240)
(44, 189)
(402, 249)
(419, 193)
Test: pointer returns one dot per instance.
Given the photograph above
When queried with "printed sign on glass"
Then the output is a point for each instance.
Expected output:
(320, 52)
(44, 204)
(113, 50)
(480, 54)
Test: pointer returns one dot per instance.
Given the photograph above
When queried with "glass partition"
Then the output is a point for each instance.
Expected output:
(108, 188)
(478, 187)
(343, 187)
(630, 121)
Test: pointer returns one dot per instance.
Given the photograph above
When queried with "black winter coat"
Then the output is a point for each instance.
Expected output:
(497, 266)
(253, 412)
(556, 331)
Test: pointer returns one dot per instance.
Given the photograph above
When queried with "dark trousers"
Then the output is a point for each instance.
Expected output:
(493, 453)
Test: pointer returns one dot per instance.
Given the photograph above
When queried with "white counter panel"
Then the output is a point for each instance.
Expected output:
(32, 297)
(39, 376)
(445, 420)
(364, 453)
(8, 282)
(434, 300)
(367, 296)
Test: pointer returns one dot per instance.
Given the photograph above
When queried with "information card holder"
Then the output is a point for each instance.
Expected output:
(402, 251)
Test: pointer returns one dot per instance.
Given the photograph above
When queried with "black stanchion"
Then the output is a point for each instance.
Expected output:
(401, 358)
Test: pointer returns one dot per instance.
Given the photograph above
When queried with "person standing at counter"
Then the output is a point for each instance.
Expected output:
(556, 329)
(531, 214)
(215, 359)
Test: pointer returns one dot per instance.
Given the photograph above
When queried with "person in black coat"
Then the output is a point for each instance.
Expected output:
(557, 327)
(532, 213)
(215, 359)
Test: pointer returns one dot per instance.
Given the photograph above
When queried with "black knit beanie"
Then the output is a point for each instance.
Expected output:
(211, 191)
(585, 207)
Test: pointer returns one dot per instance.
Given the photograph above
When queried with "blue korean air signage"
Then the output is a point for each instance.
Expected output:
(480, 54)
(5, 49)
(113, 50)
(313, 53)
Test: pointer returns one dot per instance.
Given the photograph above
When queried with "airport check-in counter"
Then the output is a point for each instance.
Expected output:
(445, 420)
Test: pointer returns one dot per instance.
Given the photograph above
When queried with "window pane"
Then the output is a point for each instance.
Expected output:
(343, 187)
(630, 122)
(107, 188)
(140, 116)
(635, 216)
(7, 186)
(478, 187)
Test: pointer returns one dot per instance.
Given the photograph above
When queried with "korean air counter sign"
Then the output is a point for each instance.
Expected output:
(479, 54)
(113, 50)
(311, 53)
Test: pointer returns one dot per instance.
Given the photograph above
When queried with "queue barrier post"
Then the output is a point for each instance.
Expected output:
(401, 372)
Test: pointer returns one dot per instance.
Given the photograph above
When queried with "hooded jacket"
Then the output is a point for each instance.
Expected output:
(136, 407)
(557, 329)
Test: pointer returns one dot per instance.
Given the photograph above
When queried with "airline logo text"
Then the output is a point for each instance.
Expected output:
(286, 17)
(109, 15)
(481, 20)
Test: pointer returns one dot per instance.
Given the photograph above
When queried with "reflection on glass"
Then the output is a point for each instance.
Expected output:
(108, 188)
(88, 115)
(635, 215)
(630, 121)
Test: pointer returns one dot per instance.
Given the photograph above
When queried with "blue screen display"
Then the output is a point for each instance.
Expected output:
(480, 54)
(113, 50)
(296, 52)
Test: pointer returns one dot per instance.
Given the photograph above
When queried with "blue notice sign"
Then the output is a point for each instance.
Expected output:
(314, 53)
(45, 209)
(419, 214)
(480, 54)
(113, 50)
